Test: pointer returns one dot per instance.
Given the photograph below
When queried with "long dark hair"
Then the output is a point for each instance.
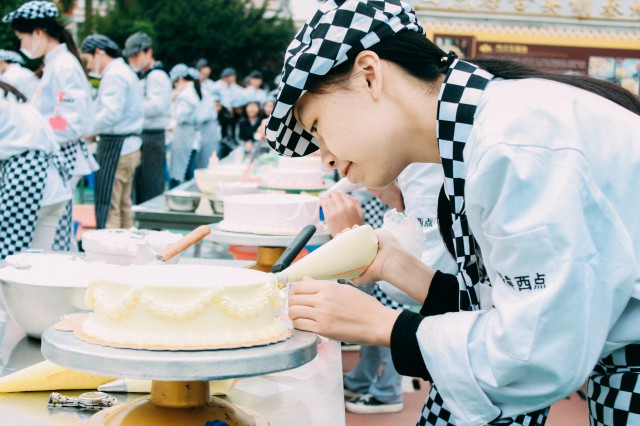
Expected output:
(422, 59)
(8, 89)
(50, 26)
(196, 85)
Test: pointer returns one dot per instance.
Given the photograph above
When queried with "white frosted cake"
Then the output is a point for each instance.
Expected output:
(227, 189)
(296, 173)
(184, 307)
(269, 214)
(208, 179)
(126, 246)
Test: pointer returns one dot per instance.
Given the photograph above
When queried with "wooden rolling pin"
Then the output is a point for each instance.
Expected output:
(184, 243)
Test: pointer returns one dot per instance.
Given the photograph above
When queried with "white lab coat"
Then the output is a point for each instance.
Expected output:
(157, 89)
(120, 105)
(21, 78)
(551, 194)
(22, 128)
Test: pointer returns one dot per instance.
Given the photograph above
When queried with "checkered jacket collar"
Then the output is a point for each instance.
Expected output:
(459, 96)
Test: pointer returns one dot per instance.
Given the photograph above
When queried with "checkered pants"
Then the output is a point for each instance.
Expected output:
(22, 180)
(613, 390)
(435, 413)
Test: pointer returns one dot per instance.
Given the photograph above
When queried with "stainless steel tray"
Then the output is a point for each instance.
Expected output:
(65, 349)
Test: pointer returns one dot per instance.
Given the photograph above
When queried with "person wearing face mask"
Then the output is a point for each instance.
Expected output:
(149, 178)
(119, 122)
(34, 187)
(12, 72)
(63, 95)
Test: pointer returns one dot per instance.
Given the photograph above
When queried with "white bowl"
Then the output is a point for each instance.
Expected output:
(39, 290)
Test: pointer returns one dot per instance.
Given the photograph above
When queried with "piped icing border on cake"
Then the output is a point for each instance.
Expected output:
(96, 298)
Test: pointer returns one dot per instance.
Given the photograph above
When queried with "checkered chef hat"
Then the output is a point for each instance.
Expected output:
(339, 30)
(98, 41)
(11, 56)
(33, 10)
(137, 42)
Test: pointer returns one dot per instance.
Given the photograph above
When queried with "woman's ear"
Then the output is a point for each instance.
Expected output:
(368, 66)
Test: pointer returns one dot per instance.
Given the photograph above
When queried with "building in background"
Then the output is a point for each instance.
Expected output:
(600, 38)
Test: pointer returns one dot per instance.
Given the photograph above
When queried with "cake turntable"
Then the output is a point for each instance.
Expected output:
(180, 379)
(270, 247)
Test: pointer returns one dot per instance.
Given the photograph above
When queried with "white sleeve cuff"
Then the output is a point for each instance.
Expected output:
(443, 341)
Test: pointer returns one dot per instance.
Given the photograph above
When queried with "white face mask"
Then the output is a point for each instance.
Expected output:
(31, 54)
(139, 68)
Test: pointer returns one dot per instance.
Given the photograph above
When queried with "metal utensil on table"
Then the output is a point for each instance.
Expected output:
(182, 201)
(290, 253)
(151, 256)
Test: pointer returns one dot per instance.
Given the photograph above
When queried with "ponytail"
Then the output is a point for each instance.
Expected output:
(197, 86)
(422, 59)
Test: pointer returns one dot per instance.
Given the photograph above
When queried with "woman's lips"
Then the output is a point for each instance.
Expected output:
(345, 172)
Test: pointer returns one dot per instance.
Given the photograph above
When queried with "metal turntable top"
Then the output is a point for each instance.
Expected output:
(65, 349)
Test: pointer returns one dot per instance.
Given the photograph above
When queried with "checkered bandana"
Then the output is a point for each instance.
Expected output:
(22, 180)
(11, 56)
(33, 10)
(339, 30)
(458, 100)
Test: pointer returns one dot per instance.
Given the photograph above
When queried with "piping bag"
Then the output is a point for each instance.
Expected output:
(346, 256)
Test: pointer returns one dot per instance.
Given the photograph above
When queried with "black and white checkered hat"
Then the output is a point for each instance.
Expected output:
(33, 10)
(11, 56)
(137, 42)
(98, 41)
(339, 30)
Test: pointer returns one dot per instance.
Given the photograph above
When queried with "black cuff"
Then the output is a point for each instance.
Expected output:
(443, 297)
(405, 352)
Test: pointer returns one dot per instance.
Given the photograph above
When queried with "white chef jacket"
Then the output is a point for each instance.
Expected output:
(120, 105)
(22, 128)
(420, 185)
(551, 198)
(63, 73)
(21, 78)
(157, 89)
(229, 95)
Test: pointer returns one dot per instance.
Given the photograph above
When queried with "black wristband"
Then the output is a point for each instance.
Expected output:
(443, 297)
(405, 351)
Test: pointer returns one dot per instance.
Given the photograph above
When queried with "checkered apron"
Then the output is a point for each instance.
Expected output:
(459, 97)
(613, 389)
(383, 298)
(180, 150)
(68, 153)
(149, 177)
(22, 180)
(374, 211)
(211, 136)
(108, 156)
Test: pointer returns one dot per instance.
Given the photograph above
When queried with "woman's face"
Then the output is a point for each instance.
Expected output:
(358, 129)
(34, 44)
(253, 109)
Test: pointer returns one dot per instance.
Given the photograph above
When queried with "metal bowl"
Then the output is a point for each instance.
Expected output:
(182, 201)
(35, 308)
(216, 205)
(39, 289)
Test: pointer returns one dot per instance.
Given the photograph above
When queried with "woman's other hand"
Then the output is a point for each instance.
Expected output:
(341, 211)
(340, 312)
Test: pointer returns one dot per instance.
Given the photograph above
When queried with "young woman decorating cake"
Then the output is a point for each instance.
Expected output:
(539, 175)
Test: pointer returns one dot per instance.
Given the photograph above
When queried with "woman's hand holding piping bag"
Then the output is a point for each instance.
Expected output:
(345, 313)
